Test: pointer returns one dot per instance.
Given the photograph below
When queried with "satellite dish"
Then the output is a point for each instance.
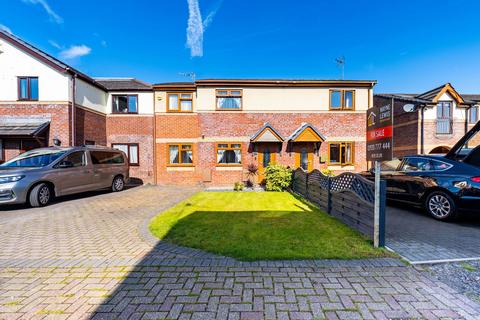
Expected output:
(409, 107)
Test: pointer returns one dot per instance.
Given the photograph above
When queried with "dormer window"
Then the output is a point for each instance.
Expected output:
(230, 99)
(28, 88)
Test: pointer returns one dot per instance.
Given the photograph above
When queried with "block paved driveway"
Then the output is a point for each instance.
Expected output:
(93, 258)
(421, 239)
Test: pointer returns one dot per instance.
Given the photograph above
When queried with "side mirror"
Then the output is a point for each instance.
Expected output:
(372, 171)
(65, 164)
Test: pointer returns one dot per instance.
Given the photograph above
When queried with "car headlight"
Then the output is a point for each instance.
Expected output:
(7, 179)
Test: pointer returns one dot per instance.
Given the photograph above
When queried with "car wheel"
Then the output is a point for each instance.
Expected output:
(40, 196)
(118, 184)
(441, 206)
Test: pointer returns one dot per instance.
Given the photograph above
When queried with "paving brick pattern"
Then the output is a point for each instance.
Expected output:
(419, 238)
(93, 258)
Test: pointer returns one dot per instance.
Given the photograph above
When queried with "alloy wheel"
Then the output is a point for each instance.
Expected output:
(44, 195)
(439, 206)
(118, 184)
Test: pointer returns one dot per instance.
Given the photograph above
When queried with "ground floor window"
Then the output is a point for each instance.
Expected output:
(180, 154)
(340, 153)
(131, 150)
(229, 153)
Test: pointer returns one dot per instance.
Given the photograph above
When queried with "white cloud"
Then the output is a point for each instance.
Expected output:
(5, 28)
(196, 27)
(75, 52)
(56, 45)
(52, 14)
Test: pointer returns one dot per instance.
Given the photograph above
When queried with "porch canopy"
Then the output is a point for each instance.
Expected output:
(306, 133)
(23, 129)
(267, 134)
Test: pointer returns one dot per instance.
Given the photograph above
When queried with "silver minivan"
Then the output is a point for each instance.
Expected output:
(38, 175)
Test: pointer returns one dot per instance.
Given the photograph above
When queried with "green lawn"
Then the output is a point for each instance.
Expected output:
(260, 225)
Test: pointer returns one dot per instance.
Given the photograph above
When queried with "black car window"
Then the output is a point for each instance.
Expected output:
(440, 165)
(417, 164)
(77, 159)
(106, 157)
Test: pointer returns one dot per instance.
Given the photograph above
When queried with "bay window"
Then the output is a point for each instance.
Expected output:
(180, 154)
(340, 153)
(229, 99)
(229, 153)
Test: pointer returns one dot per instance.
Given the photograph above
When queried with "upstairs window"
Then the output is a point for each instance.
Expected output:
(342, 99)
(444, 118)
(179, 102)
(229, 99)
(340, 153)
(473, 115)
(28, 88)
(125, 104)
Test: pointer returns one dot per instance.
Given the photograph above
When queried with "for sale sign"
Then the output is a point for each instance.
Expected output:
(380, 133)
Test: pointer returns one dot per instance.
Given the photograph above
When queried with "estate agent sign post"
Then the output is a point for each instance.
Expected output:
(379, 148)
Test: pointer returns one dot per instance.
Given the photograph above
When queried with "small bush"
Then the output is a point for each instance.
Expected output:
(277, 177)
(238, 186)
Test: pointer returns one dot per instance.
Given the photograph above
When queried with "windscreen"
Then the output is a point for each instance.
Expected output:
(35, 158)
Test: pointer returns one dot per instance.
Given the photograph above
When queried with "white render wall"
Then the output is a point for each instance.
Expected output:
(458, 112)
(145, 101)
(281, 99)
(52, 85)
(90, 96)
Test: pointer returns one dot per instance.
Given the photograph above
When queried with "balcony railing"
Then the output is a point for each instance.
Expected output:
(444, 126)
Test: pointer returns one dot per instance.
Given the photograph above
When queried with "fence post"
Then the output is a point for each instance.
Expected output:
(381, 222)
(306, 185)
(329, 195)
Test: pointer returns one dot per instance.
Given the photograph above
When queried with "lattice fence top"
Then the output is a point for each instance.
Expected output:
(347, 181)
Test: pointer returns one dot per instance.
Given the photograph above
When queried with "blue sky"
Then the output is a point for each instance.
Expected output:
(408, 46)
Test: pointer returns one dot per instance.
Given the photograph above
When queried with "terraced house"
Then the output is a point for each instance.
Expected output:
(212, 131)
(209, 131)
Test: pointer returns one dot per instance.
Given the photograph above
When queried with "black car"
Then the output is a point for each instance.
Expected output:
(443, 185)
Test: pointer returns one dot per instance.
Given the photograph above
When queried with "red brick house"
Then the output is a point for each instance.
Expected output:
(212, 131)
(432, 122)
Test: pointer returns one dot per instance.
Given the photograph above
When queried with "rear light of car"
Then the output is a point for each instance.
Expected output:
(475, 179)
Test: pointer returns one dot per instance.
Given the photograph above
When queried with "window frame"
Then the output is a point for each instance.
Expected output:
(128, 102)
(351, 163)
(128, 153)
(228, 148)
(179, 110)
(470, 115)
(180, 149)
(228, 95)
(342, 100)
(449, 119)
(29, 89)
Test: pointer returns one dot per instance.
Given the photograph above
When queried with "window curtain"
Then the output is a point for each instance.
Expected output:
(220, 156)
(174, 154)
(133, 154)
(121, 147)
(229, 103)
(238, 156)
(348, 153)
(173, 102)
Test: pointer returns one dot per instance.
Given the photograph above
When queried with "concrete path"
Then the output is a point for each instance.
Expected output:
(92, 257)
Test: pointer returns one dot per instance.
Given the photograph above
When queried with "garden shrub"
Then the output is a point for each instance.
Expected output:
(238, 186)
(277, 177)
(327, 172)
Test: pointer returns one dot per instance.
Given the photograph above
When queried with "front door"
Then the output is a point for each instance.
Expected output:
(266, 155)
(304, 158)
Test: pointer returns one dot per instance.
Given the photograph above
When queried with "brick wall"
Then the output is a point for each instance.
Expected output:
(90, 125)
(134, 129)
(204, 130)
(58, 115)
